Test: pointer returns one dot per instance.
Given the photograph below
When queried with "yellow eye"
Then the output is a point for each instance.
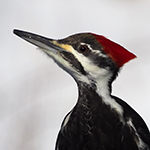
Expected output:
(83, 48)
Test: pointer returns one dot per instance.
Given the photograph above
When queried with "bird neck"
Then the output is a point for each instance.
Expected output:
(98, 95)
(89, 92)
(97, 84)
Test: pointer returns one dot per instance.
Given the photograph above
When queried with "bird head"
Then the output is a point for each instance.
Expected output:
(87, 57)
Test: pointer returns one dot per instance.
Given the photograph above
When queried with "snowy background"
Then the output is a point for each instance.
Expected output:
(35, 94)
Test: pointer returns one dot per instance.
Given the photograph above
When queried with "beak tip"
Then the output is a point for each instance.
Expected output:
(17, 32)
(14, 30)
(39, 41)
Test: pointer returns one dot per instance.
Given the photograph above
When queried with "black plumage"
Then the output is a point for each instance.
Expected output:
(93, 125)
(99, 121)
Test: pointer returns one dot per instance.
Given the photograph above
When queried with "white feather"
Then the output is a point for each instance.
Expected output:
(139, 142)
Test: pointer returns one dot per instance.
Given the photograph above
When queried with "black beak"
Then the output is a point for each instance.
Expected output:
(39, 41)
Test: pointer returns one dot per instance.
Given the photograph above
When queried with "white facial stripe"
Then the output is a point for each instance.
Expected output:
(103, 91)
(95, 51)
(88, 64)
(66, 66)
(100, 54)
(102, 76)
(59, 60)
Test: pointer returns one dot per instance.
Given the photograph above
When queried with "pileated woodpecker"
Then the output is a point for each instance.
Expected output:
(99, 120)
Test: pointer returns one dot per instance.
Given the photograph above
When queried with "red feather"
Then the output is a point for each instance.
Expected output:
(115, 51)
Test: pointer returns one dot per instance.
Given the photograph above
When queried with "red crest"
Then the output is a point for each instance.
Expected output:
(115, 51)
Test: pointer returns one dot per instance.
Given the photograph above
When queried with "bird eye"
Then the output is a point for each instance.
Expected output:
(83, 48)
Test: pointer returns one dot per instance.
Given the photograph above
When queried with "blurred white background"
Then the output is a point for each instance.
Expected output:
(35, 94)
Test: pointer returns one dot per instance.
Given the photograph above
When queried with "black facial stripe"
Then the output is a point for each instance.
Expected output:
(74, 62)
(79, 39)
